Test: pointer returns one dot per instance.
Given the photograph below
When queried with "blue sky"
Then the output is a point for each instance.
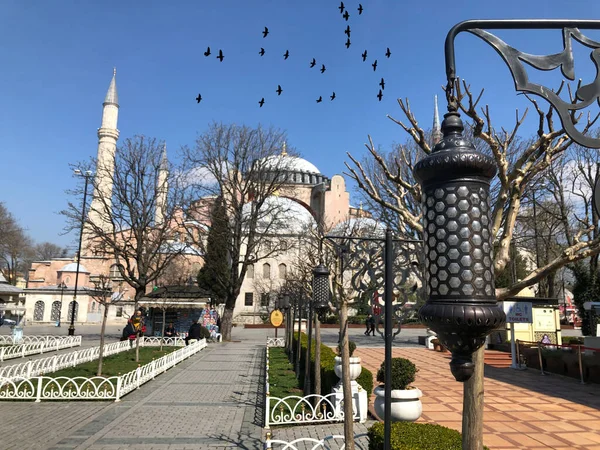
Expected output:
(57, 60)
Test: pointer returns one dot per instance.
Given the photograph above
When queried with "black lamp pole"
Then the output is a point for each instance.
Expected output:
(87, 176)
(298, 345)
(62, 286)
(307, 366)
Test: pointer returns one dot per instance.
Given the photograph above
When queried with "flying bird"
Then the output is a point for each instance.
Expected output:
(346, 15)
(347, 31)
(360, 9)
(348, 43)
(320, 99)
(262, 52)
(262, 102)
(332, 97)
(364, 56)
(265, 32)
(279, 90)
(341, 7)
(380, 95)
(220, 56)
(374, 66)
(388, 53)
(382, 83)
(323, 68)
(313, 63)
(207, 52)
(286, 54)
(199, 98)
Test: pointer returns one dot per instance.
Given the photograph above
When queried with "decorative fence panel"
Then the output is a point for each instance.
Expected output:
(31, 346)
(293, 409)
(361, 442)
(166, 341)
(40, 388)
(275, 341)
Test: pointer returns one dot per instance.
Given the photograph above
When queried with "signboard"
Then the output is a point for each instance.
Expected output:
(518, 312)
(545, 320)
(276, 318)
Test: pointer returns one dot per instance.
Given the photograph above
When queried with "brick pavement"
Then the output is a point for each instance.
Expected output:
(522, 409)
(209, 401)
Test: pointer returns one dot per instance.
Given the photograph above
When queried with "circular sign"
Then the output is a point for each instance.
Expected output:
(276, 318)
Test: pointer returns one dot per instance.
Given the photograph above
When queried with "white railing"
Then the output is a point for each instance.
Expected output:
(293, 409)
(37, 346)
(57, 362)
(40, 388)
(166, 341)
(361, 442)
(10, 340)
(275, 341)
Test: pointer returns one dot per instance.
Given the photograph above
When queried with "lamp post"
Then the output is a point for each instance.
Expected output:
(379, 265)
(299, 305)
(62, 286)
(284, 305)
(87, 175)
(455, 183)
(307, 366)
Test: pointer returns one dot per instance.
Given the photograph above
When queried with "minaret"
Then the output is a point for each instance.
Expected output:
(162, 187)
(436, 132)
(105, 165)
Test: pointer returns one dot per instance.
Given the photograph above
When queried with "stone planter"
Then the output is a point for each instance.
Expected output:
(355, 367)
(406, 404)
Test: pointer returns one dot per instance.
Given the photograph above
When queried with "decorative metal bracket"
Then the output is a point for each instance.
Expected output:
(516, 60)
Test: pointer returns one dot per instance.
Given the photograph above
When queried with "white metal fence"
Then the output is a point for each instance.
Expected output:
(361, 442)
(29, 346)
(40, 388)
(275, 341)
(293, 409)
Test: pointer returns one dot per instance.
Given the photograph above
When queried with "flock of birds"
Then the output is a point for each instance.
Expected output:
(313, 63)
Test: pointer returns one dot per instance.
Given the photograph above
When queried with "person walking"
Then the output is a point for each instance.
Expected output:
(370, 325)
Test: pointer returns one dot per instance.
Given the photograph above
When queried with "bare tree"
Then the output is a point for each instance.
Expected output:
(135, 214)
(243, 167)
(15, 246)
(104, 295)
(520, 163)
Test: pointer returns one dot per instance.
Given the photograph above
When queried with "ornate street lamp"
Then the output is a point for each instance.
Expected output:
(321, 292)
(455, 180)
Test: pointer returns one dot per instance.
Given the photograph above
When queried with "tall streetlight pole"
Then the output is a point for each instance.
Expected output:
(87, 175)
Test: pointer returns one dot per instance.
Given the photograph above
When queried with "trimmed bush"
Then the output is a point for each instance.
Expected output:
(416, 436)
(403, 373)
(351, 348)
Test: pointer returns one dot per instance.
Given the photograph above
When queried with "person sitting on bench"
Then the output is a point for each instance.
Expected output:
(195, 332)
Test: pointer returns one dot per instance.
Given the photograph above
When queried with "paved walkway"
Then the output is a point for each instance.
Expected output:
(523, 410)
(209, 401)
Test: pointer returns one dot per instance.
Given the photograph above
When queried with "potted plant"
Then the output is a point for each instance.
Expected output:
(355, 367)
(406, 403)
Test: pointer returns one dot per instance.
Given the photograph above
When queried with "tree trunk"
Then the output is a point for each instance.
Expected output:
(101, 350)
(227, 323)
(162, 332)
(317, 356)
(472, 424)
(347, 388)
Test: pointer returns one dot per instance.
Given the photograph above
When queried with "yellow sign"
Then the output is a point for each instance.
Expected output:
(276, 318)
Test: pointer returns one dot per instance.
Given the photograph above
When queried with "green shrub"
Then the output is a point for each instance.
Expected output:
(351, 348)
(403, 373)
(416, 436)
(572, 340)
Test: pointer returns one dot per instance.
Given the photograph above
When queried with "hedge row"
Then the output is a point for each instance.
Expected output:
(328, 376)
(416, 436)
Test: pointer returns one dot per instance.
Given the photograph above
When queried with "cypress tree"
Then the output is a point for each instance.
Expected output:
(214, 276)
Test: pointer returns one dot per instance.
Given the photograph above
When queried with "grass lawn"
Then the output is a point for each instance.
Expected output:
(114, 365)
(282, 380)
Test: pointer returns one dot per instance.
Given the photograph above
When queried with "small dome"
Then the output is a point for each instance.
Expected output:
(72, 267)
(287, 163)
(282, 216)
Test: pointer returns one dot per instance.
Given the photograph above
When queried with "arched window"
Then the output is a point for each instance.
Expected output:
(38, 311)
(70, 313)
(282, 271)
(93, 306)
(267, 271)
(115, 273)
(55, 311)
(250, 271)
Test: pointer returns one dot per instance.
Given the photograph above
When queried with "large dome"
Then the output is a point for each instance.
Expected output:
(360, 226)
(281, 215)
(288, 163)
(72, 267)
